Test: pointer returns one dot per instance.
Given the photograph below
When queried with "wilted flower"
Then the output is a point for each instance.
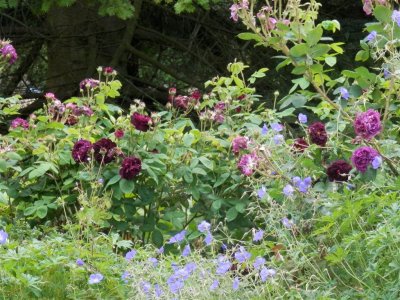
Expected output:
(204, 226)
(242, 255)
(258, 235)
(238, 143)
(89, 83)
(3, 237)
(302, 118)
(181, 102)
(8, 52)
(367, 7)
(234, 12)
(52, 97)
(130, 255)
(130, 167)
(81, 151)
(271, 23)
(179, 237)
(95, 278)
(19, 122)
(339, 171)
(141, 122)
(80, 262)
(265, 273)
(248, 163)
(318, 134)
(368, 124)
(363, 157)
(300, 145)
(104, 150)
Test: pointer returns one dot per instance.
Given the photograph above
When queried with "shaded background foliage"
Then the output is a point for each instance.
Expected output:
(152, 45)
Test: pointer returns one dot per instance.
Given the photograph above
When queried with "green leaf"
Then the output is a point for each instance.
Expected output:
(127, 186)
(157, 238)
(383, 14)
(216, 205)
(199, 171)
(3, 165)
(221, 179)
(330, 60)
(314, 36)
(40, 171)
(206, 162)
(231, 214)
(29, 210)
(248, 36)
(113, 180)
(319, 50)
(299, 50)
(188, 139)
(41, 212)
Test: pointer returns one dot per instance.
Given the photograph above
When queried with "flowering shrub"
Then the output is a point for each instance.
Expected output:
(304, 190)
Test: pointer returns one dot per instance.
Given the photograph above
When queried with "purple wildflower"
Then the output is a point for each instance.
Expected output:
(125, 276)
(186, 251)
(235, 284)
(262, 192)
(287, 223)
(242, 255)
(276, 127)
(130, 255)
(160, 250)
(386, 73)
(371, 36)
(179, 237)
(158, 290)
(258, 235)
(302, 118)
(204, 226)
(264, 129)
(3, 237)
(278, 139)
(209, 238)
(146, 286)
(377, 162)
(214, 285)
(288, 190)
(396, 17)
(190, 267)
(259, 262)
(80, 262)
(265, 273)
(153, 261)
(223, 266)
(95, 278)
(344, 93)
(363, 157)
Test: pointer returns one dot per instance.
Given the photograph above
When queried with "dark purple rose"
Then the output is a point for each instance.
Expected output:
(339, 171)
(299, 145)
(19, 122)
(363, 157)
(104, 150)
(81, 151)
(8, 52)
(130, 167)
(318, 134)
(141, 122)
(368, 124)
(240, 142)
(108, 70)
(181, 102)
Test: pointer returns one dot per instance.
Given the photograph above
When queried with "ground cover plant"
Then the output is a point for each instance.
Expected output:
(223, 194)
